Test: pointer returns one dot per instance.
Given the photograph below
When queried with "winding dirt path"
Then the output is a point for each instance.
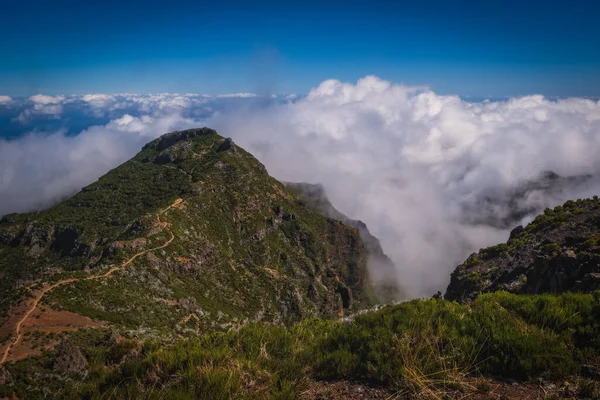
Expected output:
(18, 335)
(186, 319)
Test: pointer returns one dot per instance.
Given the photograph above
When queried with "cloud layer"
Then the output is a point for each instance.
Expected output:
(434, 177)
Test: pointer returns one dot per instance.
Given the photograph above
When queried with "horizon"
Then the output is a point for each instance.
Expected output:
(446, 109)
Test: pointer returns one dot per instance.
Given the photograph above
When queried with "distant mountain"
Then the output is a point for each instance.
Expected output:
(506, 209)
(190, 235)
(559, 251)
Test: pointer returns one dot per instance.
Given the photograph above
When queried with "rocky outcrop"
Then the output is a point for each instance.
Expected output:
(170, 139)
(381, 267)
(559, 251)
(227, 145)
(70, 360)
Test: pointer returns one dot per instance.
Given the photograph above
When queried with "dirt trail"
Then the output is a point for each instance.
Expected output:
(18, 332)
(186, 319)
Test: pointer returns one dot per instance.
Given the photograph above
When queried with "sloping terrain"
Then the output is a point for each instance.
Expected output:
(189, 273)
(501, 346)
(190, 235)
(558, 251)
(382, 271)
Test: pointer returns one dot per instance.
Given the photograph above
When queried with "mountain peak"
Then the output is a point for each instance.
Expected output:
(191, 225)
(169, 139)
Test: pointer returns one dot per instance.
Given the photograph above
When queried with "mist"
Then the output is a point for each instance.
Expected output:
(434, 177)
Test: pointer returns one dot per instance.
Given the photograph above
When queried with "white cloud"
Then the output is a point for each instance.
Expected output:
(5, 99)
(233, 95)
(52, 111)
(429, 174)
(40, 169)
(43, 99)
(98, 100)
(417, 167)
(43, 107)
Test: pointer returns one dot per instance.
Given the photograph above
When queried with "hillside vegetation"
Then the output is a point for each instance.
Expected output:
(244, 247)
(558, 251)
(428, 348)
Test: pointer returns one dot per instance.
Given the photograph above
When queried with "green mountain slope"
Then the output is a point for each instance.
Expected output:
(558, 251)
(244, 248)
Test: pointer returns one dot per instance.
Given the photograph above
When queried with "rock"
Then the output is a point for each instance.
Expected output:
(227, 145)
(36, 235)
(569, 254)
(557, 252)
(135, 228)
(165, 158)
(6, 238)
(592, 277)
(189, 304)
(70, 360)
(515, 233)
(35, 251)
(289, 217)
(166, 141)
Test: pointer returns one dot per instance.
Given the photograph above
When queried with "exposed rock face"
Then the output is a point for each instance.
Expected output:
(382, 269)
(70, 360)
(227, 145)
(169, 139)
(559, 251)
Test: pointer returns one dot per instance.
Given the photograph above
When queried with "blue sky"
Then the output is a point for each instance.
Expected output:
(477, 48)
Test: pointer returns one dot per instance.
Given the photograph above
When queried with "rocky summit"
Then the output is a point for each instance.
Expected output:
(558, 251)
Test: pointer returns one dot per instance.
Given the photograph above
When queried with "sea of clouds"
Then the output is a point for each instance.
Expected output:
(434, 177)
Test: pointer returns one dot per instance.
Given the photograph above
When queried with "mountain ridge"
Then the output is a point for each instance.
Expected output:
(236, 246)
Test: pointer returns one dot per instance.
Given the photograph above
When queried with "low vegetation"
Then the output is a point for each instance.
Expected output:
(422, 347)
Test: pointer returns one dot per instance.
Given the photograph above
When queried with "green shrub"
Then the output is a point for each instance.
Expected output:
(421, 345)
(550, 249)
